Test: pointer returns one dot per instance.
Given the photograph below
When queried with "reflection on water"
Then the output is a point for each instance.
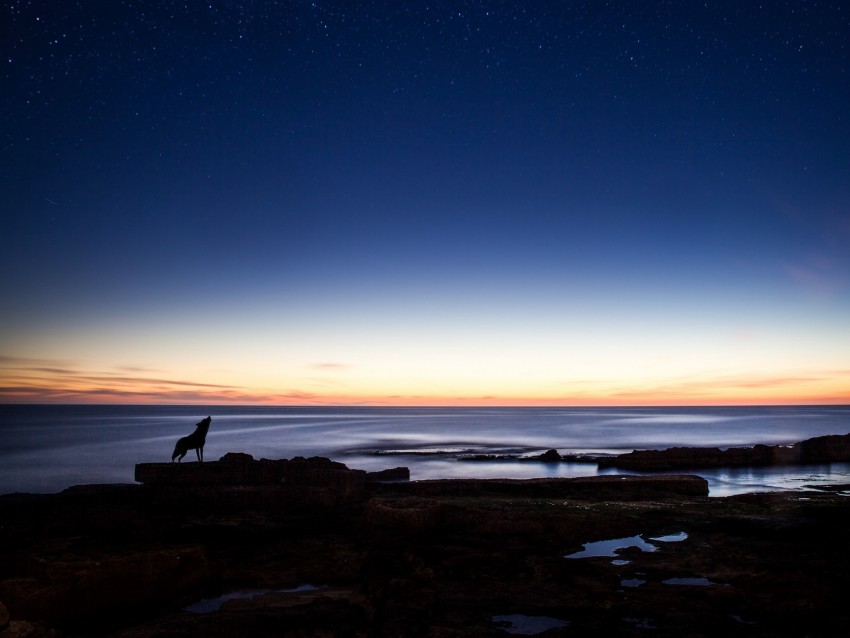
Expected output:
(612, 547)
(209, 605)
(727, 482)
(671, 538)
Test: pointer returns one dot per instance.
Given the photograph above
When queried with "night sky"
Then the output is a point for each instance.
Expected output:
(415, 203)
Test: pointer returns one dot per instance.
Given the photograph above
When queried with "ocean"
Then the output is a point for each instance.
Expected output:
(47, 448)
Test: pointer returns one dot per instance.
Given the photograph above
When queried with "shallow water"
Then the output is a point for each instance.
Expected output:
(209, 605)
(632, 582)
(611, 548)
(671, 538)
(48, 448)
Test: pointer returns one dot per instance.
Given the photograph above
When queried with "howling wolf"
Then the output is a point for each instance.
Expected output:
(194, 441)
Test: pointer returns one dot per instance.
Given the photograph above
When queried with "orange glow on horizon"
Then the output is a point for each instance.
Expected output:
(151, 396)
(33, 381)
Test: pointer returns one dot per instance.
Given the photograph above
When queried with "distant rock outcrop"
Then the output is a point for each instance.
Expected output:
(550, 456)
(389, 475)
(821, 449)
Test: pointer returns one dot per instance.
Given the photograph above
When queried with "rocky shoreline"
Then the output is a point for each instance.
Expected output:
(309, 547)
(814, 451)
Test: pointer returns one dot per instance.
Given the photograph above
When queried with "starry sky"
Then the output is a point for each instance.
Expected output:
(422, 203)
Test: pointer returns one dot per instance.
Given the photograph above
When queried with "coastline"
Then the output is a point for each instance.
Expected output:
(318, 548)
(48, 448)
(819, 450)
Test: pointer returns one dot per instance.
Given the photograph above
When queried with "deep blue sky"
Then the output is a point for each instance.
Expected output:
(309, 179)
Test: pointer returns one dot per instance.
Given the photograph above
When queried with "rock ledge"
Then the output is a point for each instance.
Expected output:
(822, 449)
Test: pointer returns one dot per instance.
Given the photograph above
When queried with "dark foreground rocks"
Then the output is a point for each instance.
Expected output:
(380, 556)
(817, 450)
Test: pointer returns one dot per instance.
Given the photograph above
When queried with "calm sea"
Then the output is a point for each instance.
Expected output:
(47, 448)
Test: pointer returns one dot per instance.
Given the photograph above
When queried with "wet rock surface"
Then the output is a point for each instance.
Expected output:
(422, 558)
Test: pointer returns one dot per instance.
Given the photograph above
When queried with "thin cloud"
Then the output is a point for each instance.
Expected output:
(36, 380)
(329, 365)
(114, 378)
(737, 388)
(12, 361)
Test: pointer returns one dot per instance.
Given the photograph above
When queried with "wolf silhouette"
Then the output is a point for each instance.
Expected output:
(194, 441)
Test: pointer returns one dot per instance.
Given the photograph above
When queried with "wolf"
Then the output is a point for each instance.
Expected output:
(194, 441)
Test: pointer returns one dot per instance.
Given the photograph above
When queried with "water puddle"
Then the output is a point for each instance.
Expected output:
(632, 582)
(209, 605)
(691, 582)
(611, 548)
(528, 625)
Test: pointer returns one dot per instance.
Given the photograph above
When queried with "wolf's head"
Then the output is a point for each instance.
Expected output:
(204, 424)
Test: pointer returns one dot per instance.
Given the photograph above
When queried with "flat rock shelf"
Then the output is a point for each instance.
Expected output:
(310, 547)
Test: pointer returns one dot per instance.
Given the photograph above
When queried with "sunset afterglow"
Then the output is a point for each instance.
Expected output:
(337, 203)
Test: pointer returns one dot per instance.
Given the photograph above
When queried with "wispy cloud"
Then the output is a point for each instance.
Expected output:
(24, 380)
(36, 379)
(329, 365)
(806, 387)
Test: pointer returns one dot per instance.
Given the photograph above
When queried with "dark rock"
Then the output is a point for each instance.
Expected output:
(237, 482)
(96, 489)
(391, 474)
(236, 457)
(23, 629)
(487, 457)
(550, 456)
(404, 515)
(4, 616)
(588, 487)
(592, 459)
(823, 449)
(69, 590)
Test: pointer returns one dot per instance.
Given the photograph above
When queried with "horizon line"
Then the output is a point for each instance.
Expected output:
(433, 405)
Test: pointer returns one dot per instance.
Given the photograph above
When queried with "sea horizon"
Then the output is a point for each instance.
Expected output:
(432, 405)
(48, 447)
